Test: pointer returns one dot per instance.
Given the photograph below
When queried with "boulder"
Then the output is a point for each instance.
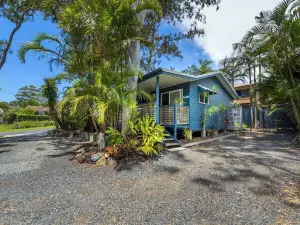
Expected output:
(96, 157)
(80, 158)
(87, 157)
(111, 162)
(101, 161)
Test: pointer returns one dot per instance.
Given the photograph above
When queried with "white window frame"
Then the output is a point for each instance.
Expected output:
(181, 95)
(208, 98)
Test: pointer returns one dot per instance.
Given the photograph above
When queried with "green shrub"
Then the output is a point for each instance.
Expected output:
(114, 136)
(32, 124)
(24, 117)
(142, 134)
(245, 126)
(188, 134)
(152, 135)
(10, 116)
(25, 111)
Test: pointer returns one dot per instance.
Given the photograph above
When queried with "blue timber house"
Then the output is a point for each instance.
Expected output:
(181, 99)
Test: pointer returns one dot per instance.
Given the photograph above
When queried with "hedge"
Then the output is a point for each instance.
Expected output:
(31, 124)
(24, 117)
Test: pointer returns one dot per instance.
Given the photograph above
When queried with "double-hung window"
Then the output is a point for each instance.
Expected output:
(204, 97)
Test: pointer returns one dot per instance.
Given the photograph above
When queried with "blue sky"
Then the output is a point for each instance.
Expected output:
(223, 28)
(15, 75)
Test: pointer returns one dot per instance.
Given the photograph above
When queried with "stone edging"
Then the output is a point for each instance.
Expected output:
(207, 141)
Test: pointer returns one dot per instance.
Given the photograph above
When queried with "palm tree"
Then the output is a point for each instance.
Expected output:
(278, 41)
(108, 95)
(50, 93)
(204, 67)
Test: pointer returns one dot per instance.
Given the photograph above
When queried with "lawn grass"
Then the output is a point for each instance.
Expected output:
(6, 128)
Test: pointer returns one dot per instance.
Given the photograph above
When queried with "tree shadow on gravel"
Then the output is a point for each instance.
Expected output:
(177, 155)
(213, 185)
(259, 163)
(4, 151)
(6, 145)
(167, 169)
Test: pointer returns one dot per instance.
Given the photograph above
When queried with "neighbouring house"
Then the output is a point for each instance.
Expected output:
(40, 110)
(265, 119)
(243, 91)
(188, 96)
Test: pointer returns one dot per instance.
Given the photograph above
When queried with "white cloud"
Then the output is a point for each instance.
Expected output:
(228, 25)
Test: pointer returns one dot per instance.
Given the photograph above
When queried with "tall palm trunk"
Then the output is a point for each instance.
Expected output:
(255, 99)
(134, 59)
(251, 91)
(258, 95)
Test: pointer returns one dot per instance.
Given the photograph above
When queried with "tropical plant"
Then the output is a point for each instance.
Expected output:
(204, 67)
(104, 97)
(114, 136)
(142, 134)
(151, 134)
(50, 93)
(276, 42)
(188, 134)
(179, 101)
(220, 112)
(272, 46)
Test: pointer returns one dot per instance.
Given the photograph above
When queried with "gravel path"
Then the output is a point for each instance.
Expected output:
(231, 181)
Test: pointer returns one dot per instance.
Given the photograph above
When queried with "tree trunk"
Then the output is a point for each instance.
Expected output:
(261, 125)
(134, 58)
(251, 102)
(6, 50)
(255, 99)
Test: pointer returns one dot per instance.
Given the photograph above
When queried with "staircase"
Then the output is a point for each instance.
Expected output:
(171, 141)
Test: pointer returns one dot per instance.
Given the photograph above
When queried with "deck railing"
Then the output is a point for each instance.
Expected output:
(166, 113)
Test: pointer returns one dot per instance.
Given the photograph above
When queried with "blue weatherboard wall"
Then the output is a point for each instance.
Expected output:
(196, 108)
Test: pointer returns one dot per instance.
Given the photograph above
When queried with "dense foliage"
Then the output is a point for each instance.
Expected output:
(142, 134)
(22, 114)
(29, 96)
(268, 57)
(204, 67)
(32, 124)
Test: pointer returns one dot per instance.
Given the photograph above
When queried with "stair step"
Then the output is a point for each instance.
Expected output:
(168, 139)
(171, 145)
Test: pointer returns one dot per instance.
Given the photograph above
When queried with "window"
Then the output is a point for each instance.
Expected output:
(239, 93)
(204, 97)
(169, 98)
(165, 99)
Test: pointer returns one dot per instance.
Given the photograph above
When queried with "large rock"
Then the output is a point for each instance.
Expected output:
(96, 157)
(101, 161)
(111, 162)
(80, 158)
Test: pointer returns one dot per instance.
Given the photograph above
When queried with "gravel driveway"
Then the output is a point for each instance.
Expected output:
(232, 181)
